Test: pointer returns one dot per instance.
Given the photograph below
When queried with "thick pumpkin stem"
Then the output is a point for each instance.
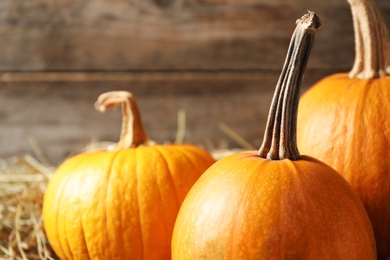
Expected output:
(133, 133)
(371, 41)
(280, 134)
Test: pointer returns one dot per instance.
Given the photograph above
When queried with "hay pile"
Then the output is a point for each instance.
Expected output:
(22, 184)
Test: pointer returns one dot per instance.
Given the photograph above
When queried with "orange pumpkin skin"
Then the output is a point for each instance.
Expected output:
(247, 207)
(120, 204)
(345, 122)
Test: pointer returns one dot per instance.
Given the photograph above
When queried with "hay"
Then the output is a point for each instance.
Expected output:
(22, 185)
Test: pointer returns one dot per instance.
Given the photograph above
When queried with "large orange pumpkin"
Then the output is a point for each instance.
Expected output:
(120, 203)
(275, 204)
(344, 120)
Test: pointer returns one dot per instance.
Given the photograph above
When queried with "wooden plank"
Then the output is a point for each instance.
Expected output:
(218, 60)
(56, 109)
(180, 35)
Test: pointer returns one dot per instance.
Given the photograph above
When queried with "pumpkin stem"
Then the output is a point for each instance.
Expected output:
(133, 133)
(371, 41)
(280, 134)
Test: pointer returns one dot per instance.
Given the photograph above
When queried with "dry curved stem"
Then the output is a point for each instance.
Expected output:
(280, 134)
(133, 133)
(372, 45)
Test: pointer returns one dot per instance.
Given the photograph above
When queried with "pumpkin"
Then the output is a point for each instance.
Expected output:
(122, 202)
(344, 120)
(274, 203)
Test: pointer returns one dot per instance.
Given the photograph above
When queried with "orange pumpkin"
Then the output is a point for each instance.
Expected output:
(120, 203)
(274, 204)
(344, 120)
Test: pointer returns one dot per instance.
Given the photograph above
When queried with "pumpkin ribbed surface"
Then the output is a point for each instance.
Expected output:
(246, 207)
(125, 207)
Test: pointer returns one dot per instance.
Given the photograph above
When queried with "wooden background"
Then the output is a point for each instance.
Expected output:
(217, 60)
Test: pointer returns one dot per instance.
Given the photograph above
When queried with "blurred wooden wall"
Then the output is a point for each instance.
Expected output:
(217, 60)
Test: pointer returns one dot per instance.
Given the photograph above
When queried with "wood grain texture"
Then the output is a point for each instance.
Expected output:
(73, 35)
(219, 60)
(56, 109)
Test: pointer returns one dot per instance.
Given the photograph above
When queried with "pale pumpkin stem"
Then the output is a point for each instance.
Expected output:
(280, 134)
(371, 41)
(133, 133)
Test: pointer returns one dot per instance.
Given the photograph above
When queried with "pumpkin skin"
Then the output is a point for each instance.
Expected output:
(120, 204)
(246, 207)
(345, 122)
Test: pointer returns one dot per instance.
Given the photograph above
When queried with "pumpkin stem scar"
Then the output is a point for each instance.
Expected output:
(371, 41)
(133, 133)
(279, 140)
